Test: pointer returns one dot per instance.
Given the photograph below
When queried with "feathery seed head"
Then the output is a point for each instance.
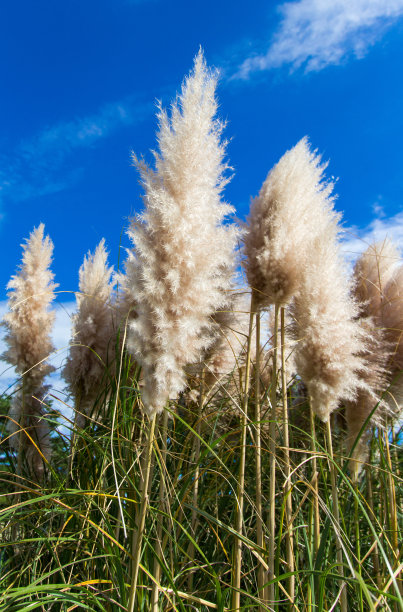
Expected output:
(29, 324)
(392, 318)
(92, 345)
(282, 224)
(372, 272)
(330, 342)
(181, 272)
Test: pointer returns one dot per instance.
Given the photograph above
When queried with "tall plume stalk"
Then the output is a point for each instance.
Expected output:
(228, 351)
(237, 550)
(212, 374)
(277, 246)
(330, 343)
(29, 324)
(92, 347)
(181, 271)
(162, 506)
(258, 462)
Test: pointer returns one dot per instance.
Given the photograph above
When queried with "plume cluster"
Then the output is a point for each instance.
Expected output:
(282, 224)
(92, 347)
(29, 324)
(180, 273)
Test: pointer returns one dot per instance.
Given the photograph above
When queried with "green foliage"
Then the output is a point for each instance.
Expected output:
(65, 544)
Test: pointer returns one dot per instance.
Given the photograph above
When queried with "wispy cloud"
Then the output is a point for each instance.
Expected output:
(356, 240)
(318, 33)
(32, 169)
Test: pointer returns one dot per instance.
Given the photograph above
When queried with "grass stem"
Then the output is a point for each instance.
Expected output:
(196, 461)
(237, 550)
(258, 466)
(161, 503)
(286, 445)
(137, 539)
(272, 459)
(336, 516)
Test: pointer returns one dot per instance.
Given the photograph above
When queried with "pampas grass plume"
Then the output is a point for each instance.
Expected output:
(392, 317)
(184, 254)
(372, 272)
(330, 342)
(282, 224)
(92, 347)
(29, 324)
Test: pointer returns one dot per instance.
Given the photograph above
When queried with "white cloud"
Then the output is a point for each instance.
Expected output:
(356, 240)
(319, 33)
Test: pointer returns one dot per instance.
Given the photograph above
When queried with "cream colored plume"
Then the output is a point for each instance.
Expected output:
(92, 348)
(330, 342)
(181, 269)
(283, 223)
(29, 324)
(392, 318)
(372, 273)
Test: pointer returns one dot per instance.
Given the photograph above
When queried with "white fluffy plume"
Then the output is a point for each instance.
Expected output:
(29, 324)
(283, 223)
(392, 317)
(181, 269)
(92, 347)
(330, 342)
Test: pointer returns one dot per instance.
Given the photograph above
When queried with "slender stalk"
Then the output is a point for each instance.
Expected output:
(393, 525)
(21, 433)
(73, 441)
(237, 550)
(196, 459)
(18, 480)
(137, 539)
(396, 461)
(161, 502)
(336, 516)
(375, 553)
(393, 522)
(358, 545)
(314, 529)
(316, 516)
(272, 460)
(287, 487)
(258, 466)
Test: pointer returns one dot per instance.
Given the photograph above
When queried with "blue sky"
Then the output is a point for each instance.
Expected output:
(79, 85)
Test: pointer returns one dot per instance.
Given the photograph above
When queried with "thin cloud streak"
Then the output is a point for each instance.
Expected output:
(319, 33)
(33, 168)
